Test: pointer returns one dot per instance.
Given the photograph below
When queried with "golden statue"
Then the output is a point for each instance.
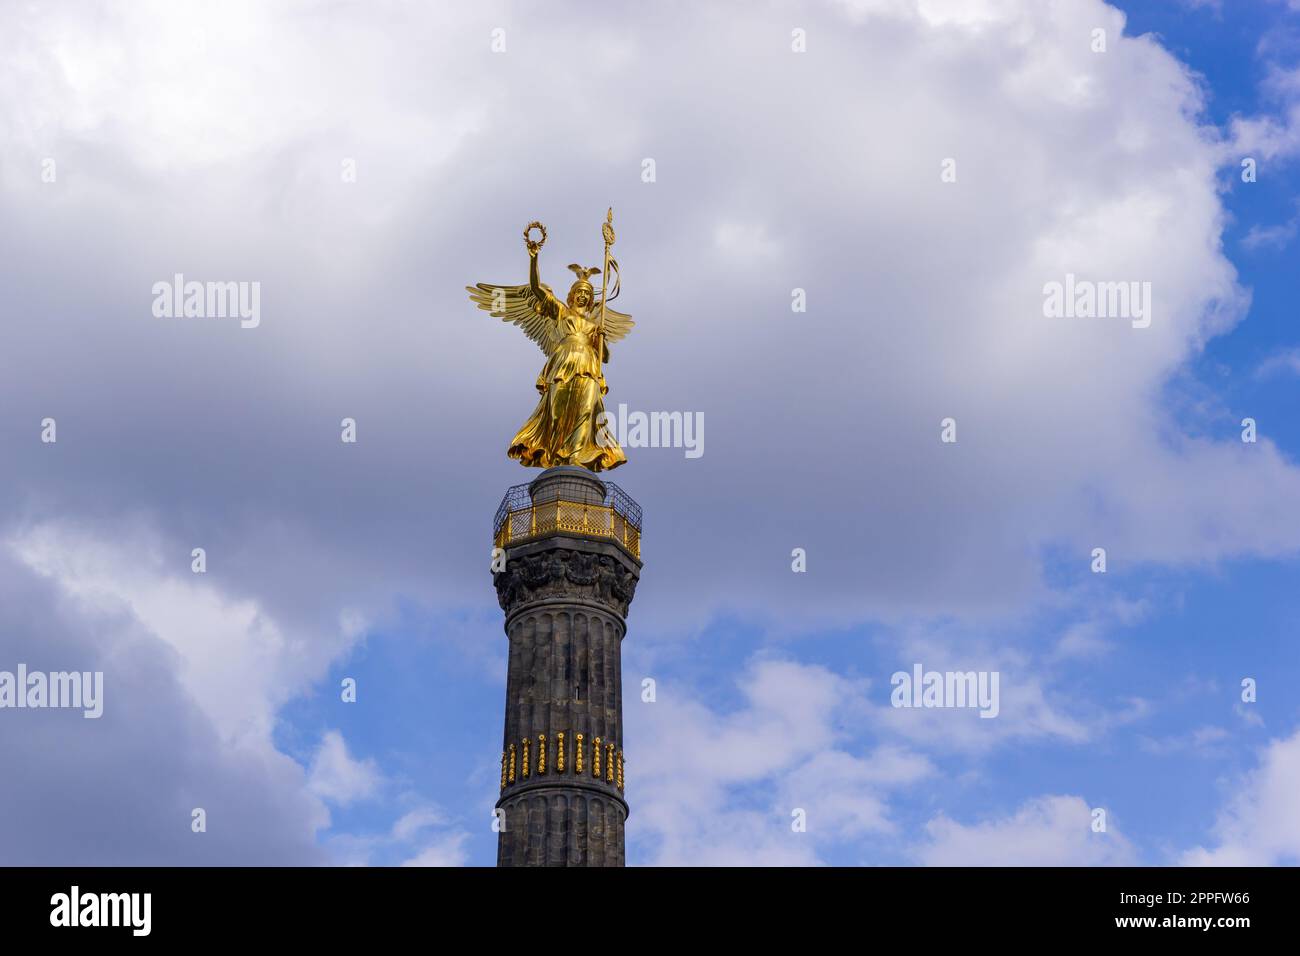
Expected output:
(566, 427)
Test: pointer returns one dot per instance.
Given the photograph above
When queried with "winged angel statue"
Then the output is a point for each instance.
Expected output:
(568, 426)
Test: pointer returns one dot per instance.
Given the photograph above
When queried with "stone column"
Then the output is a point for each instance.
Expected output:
(565, 594)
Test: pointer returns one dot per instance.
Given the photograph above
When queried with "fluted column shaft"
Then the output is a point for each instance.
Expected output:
(565, 599)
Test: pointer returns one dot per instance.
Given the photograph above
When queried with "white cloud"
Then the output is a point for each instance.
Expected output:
(1045, 831)
(1028, 710)
(1260, 825)
(1082, 640)
(1266, 137)
(1204, 741)
(1278, 235)
(725, 796)
(843, 795)
(409, 824)
(423, 836)
(1248, 714)
(338, 778)
(446, 851)
(1280, 362)
(1275, 236)
(718, 788)
(1032, 704)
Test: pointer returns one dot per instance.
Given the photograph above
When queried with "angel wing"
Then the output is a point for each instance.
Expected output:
(518, 304)
(617, 324)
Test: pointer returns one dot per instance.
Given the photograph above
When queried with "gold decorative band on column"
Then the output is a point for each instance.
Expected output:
(516, 767)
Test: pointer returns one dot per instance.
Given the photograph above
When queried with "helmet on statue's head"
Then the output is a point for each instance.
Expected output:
(582, 292)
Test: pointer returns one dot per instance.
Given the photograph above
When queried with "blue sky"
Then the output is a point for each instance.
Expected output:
(1120, 691)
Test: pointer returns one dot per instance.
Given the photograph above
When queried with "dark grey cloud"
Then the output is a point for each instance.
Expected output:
(119, 790)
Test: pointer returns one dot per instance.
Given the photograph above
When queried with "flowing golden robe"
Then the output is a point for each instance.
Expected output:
(564, 428)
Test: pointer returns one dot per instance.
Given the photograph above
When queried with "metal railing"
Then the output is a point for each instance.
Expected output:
(618, 517)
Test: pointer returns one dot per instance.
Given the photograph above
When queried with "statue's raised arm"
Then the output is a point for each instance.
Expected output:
(532, 307)
(543, 298)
